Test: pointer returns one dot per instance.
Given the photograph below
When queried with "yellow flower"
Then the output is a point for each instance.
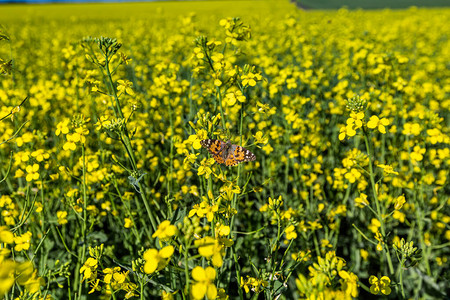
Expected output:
(417, 154)
(222, 230)
(33, 283)
(6, 236)
(79, 135)
(102, 122)
(89, 268)
(110, 273)
(211, 249)
(290, 232)
(357, 117)
(70, 144)
(157, 260)
(399, 201)
(62, 217)
(39, 207)
(364, 254)
(40, 155)
(387, 169)
(27, 137)
(374, 225)
(250, 79)
(190, 158)
(349, 283)
(204, 283)
(26, 276)
(380, 123)
(205, 167)
(94, 286)
(411, 128)
(265, 108)
(274, 204)
(32, 172)
(352, 175)
(353, 123)
(7, 268)
(22, 242)
(379, 238)
(361, 201)
(165, 231)
(260, 139)
(348, 130)
(125, 86)
(198, 53)
(234, 95)
(380, 285)
(195, 139)
(128, 223)
(62, 127)
(167, 296)
(254, 284)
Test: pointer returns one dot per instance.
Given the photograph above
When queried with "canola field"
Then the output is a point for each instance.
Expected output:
(224, 150)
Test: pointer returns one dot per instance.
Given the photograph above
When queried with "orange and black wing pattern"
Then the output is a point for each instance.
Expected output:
(238, 154)
(216, 148)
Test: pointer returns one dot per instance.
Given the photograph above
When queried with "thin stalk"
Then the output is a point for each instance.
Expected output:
(234, 203)
(83, 223)
(219, 98)
(127, 144)
(401, 278)
(377, 204)
(186, 265)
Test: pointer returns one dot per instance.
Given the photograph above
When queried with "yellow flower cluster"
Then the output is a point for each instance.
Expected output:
(194, 154)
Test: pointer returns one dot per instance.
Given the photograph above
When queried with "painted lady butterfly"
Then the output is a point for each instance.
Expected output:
(227, 153)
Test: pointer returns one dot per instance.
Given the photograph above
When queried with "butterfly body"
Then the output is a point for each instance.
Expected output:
(227, 153)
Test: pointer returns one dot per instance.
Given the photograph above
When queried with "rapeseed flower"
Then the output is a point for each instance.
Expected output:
(125, 86)
(387, 169)
(7, 268)
(361, 201)
(380, 285)
(62, 127)
(62, 217)
(89, 269)
(399, 202)
(32, 172)
(157, 260)
(210, 248)
(290, 232)
(378, 123)
(349, 283)
(205, 167)
(23, 241)
(6, 236)
(204, 283)
(165, 231)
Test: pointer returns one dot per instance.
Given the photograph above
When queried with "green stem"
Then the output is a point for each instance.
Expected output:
(142, 288)
(186, 265)
(83, 223)
(130, 215)
(420, 215)
(377, 203)
(401, 278)
(127, 143)
(275, 252)
(219, 98)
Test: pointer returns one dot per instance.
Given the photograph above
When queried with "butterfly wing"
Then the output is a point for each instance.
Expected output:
(238, 154)
(215, 148)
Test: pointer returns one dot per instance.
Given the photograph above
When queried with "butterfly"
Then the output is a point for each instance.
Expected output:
(227, 153)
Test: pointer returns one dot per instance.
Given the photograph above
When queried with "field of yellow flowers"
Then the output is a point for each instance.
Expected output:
(107, 193)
